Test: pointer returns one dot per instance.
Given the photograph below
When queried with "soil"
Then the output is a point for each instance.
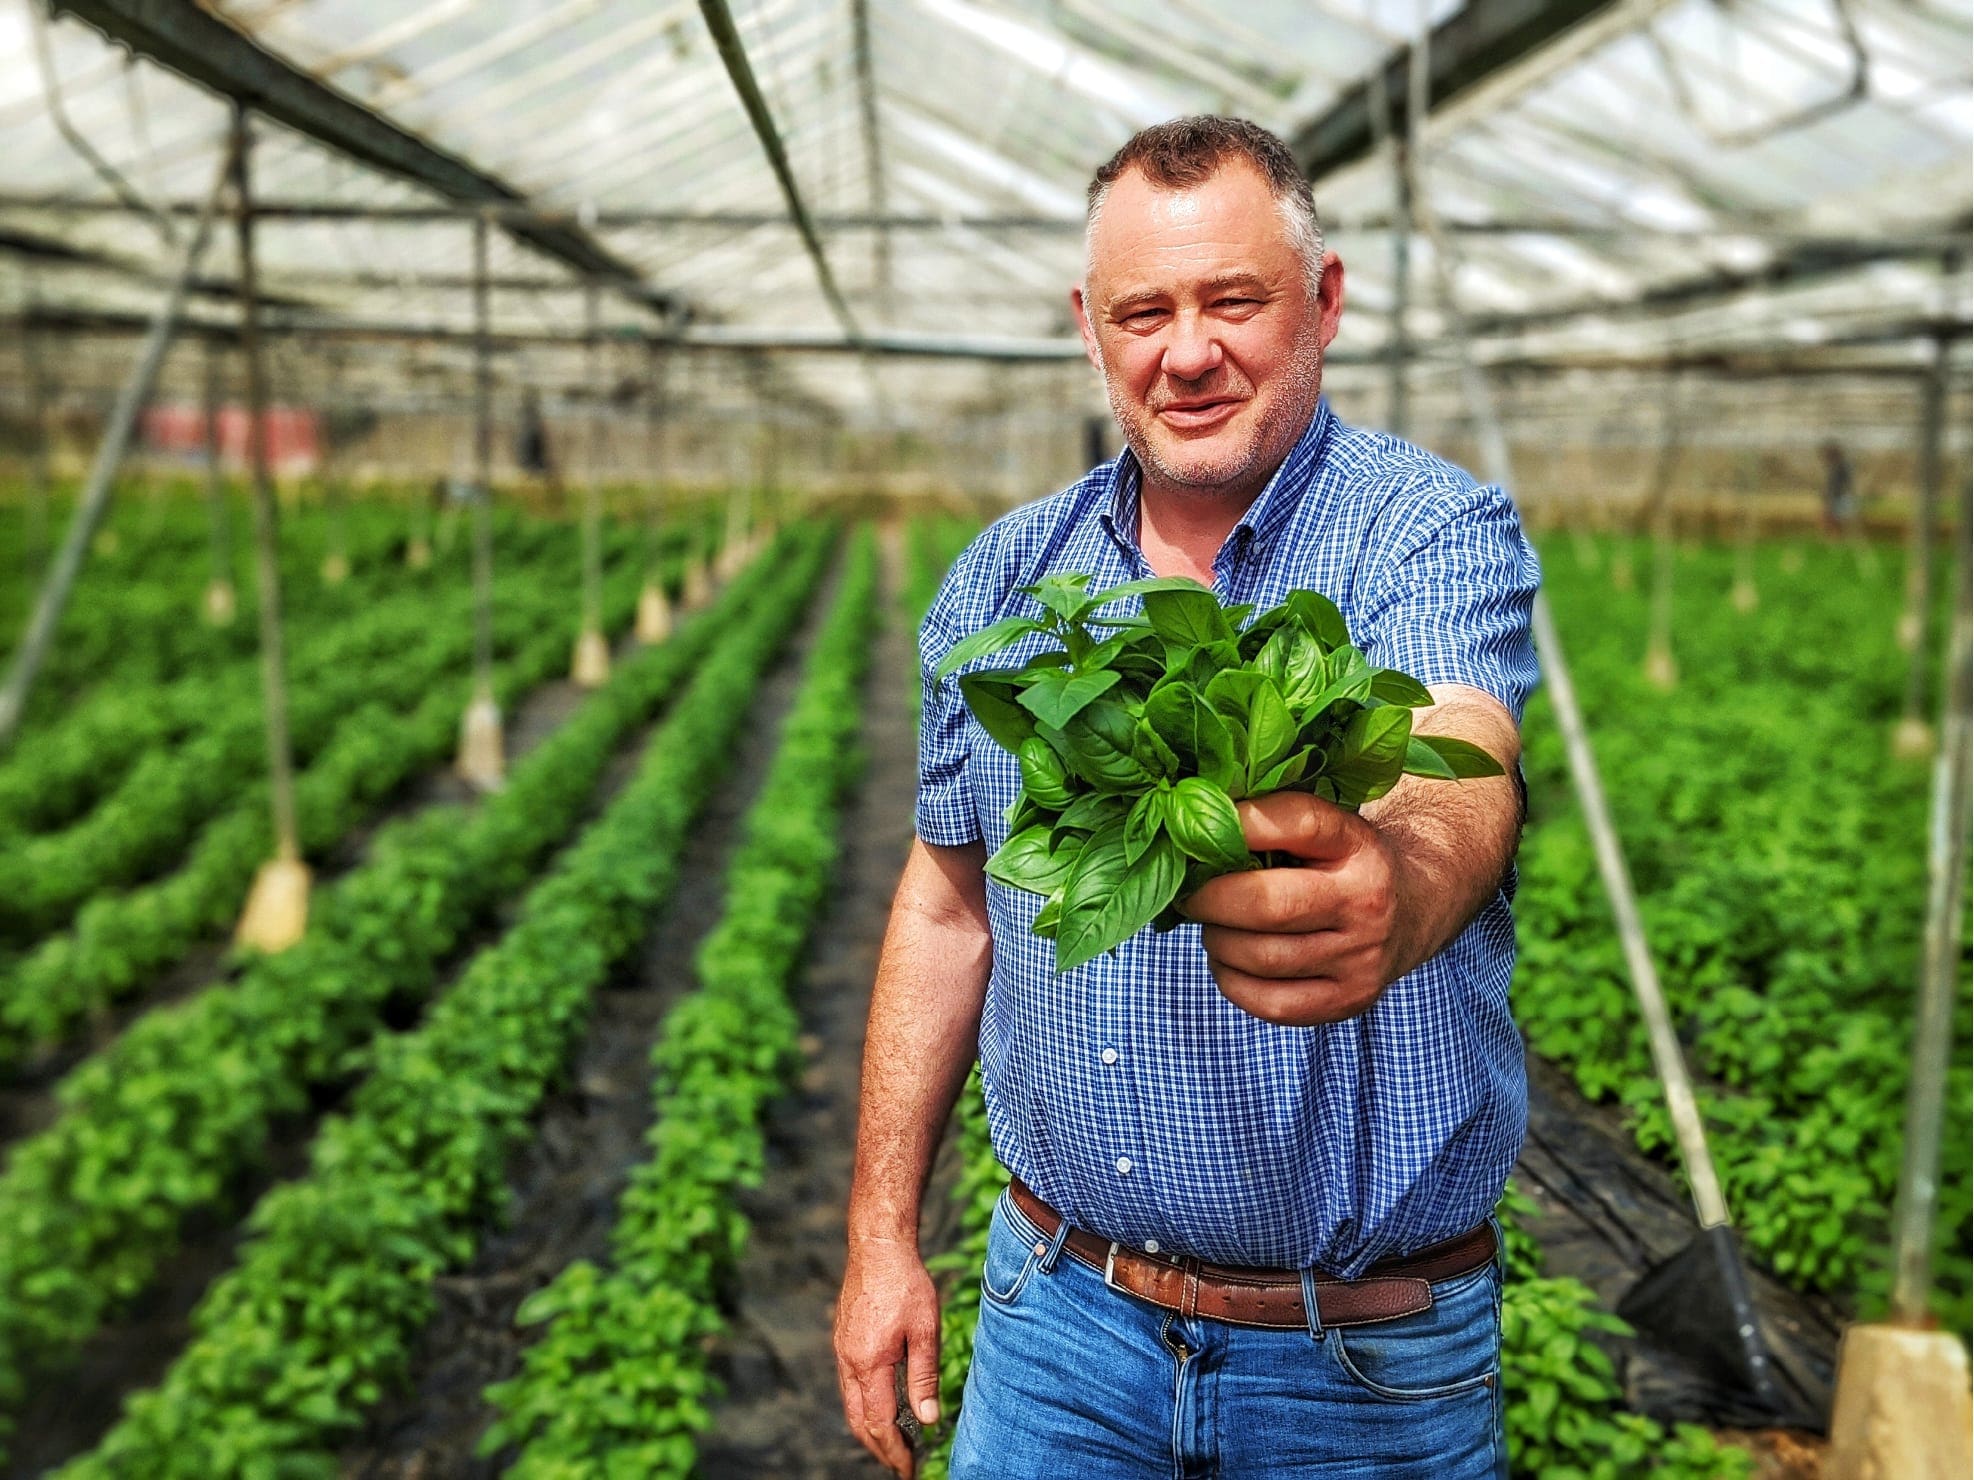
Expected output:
(132, 1353)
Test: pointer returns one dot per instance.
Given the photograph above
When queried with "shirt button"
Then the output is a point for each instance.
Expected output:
(1110, 1056)
(1151, 1246)
(1123, 1165)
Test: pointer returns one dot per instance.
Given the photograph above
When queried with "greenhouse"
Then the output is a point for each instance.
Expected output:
(497, 510)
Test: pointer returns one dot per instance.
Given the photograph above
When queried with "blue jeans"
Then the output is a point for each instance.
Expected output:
(1072, 1380)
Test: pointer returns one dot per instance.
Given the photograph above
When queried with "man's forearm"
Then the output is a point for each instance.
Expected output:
(924, 1021)
(1452, 841)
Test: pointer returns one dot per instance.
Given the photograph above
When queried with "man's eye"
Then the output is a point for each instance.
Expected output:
(1238, 303)
(1143, 315)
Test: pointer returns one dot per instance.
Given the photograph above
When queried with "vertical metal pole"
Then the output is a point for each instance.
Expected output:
(220, 598)
(32, 649)
(593, 467)
(267, 571)
(35, 546)
(1939, 975)
(1399, 349)
(482, 470)
(1919, 540)
(654, 432)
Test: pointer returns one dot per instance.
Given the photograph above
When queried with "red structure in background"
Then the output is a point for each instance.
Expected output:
(294, 435)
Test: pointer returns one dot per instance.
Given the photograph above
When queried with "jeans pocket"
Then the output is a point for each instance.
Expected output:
(1014, 1247)
(1454, 1346)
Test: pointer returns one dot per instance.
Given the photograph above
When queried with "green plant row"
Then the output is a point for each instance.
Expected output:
(171, 1117)
(144, 824)
(1564, 1407)
(61, 767)
(616, 1381)
(291, 1347)
(120, 942)
(134, 615)
(1779, 852)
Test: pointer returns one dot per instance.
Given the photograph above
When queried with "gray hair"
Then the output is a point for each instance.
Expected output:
(1188, 151)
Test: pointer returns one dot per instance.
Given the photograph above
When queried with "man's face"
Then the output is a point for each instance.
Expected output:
(1198, 312)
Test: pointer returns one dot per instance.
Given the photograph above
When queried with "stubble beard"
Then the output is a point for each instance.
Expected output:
(1209, 475)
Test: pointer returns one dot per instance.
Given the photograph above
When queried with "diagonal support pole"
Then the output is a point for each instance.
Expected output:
(55, 589)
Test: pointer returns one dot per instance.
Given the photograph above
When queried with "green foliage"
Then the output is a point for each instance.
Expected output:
(616, 1382)
(1780, 856)
(317, 1319)
(1134, 748)
(167, 1120)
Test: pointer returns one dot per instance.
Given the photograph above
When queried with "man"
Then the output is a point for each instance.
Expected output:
(1217, 1132)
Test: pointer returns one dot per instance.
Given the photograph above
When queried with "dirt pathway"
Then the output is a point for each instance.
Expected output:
(781, 1417)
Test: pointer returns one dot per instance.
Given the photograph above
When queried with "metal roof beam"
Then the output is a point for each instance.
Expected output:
(200, 46)
(1476, 41)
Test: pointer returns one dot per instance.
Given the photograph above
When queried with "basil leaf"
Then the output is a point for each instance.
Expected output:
(1056, 697)
(1044, 777)
(994, 698)
(1285, 773)
(1026, 862)
(1394, 687)
(1062, 592)
(1460, 757)
(1107, 901)
(1142, 825)
(1092, 812)
(1271, 732)
(1317, 615)
(1137, 588)
(1188, 724)
(1004, 633)
(1372, 755)
(1151, 752)
(1201, 819)
(1231, 692)
(1187, 618)
(1048, 917)
(1097, 745)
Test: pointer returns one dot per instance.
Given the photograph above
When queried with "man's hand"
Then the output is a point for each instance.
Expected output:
(1375, 894)
(1314, 943)
(888, 1313)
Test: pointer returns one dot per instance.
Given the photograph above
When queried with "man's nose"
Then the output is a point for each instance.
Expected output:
(1192, 349)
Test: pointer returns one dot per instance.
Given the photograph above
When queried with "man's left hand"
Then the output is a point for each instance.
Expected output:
(1313, 943)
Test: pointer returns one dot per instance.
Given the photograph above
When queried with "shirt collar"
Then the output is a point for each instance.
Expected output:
(1277, 500)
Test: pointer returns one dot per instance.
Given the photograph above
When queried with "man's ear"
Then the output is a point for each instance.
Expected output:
(1329, 299)
(1090, 350)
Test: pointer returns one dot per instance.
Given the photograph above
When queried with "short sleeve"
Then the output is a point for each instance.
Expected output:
(1452, 600)
(945, 814)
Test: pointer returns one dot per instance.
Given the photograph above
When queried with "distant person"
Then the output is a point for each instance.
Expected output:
(1840, 507)
(1256, 1158)
(531, 442)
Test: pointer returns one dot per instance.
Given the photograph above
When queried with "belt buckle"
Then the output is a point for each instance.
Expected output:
(1110, 1270)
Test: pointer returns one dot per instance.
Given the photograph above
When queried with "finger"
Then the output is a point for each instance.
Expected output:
(1293, 900)
(1275, 956)
(879, 1430)
(922, 1369)
(1295, 1003)
(1301, 825)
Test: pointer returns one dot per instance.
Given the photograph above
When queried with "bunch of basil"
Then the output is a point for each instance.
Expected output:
(1135, 746)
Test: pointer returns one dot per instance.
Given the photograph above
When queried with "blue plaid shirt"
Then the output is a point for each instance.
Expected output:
(1129, 1093)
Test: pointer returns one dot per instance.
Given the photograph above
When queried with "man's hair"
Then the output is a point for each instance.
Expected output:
(1189, 151)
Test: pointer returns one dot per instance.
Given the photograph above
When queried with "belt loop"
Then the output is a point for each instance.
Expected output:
(1310, 1309)
(1056, 1241)
(1189, 1288)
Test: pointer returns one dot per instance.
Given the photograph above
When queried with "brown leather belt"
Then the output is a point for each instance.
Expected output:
(1267, 1297)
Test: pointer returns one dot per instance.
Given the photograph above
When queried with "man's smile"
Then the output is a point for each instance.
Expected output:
(1200, 415)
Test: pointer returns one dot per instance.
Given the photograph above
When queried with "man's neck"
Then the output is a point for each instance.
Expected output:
(1181, 529)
